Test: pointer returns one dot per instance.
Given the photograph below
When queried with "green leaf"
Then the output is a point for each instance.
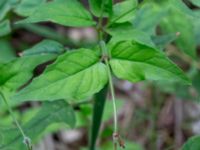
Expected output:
(127, 32)
(18, 71)
(67, 13)
(101, 7)
(27, 7)
(124, 11)
(152, 14)
(6, 6)
(98, 109)
(179, 22)
(136, 62)
(75, 75)
(192, 144)
(181, 6)
(50, 113)
(196, 24)
(21, 68)
(196, 2)
(45, 47)
(6, 53)
(161, 41)
(5, 28)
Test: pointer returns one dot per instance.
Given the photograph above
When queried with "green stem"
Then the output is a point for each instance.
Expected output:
(112, 95)
(26, 139)
(105, 55)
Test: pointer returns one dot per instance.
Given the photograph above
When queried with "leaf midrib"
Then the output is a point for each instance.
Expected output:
(93, 64)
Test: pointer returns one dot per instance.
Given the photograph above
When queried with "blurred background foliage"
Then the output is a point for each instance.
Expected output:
(153, 116)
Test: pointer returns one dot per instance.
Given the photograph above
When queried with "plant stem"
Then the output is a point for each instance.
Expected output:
(112, 95)
(26, 140)
(105, 56)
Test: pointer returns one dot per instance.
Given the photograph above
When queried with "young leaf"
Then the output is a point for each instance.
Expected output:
(75, 75)
(45, 47)
(27, 7)
(67, 13)
(192, 144)
(101, 7)
(50, 113)
(5, 28)
(136, 62)
(124, 11)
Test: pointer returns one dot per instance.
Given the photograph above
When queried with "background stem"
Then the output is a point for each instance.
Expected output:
(26, 139)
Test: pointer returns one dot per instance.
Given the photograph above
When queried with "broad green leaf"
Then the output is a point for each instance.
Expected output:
(18, 71)
(98, 109)
(5, 28)
(192, 144)
(136, 62)
(75, 75)
(181, 6)
(21, 68)
(175, 4)
(124, 11)
(45, 47)
(196, 2)
(161, 41)
(27, 7)
(6, 52)
(67, 13)
(101, 7)
(179, 22)
(152, 14)
(6, 6)
(50, 113)
(127, 32)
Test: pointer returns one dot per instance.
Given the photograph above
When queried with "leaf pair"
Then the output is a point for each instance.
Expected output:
(79, 74)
